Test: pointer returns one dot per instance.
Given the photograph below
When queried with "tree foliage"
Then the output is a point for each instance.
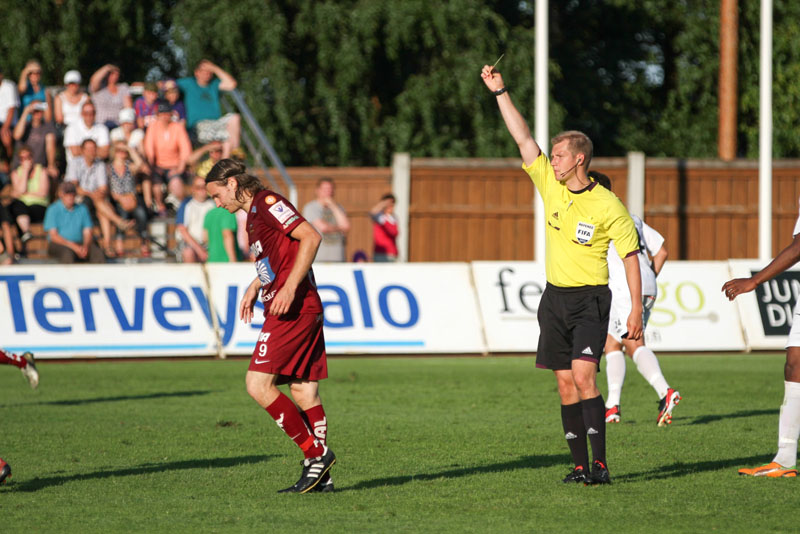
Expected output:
(349, 82)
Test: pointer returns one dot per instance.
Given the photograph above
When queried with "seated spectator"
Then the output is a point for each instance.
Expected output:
(125, 163)
(172, 93)
(203, 111)
(359, 256)
(330, 220)
(9, 102)
(34, 131)
(30, 190)
(146, 105)
(31, 88)
(220, 233)
(69, 102)
(89, 173)
(189, 224)
(69, 229)
(109, 96)
(85, 128)
(7, 241)
(134, 138)
(167, 147)
(384, 230)
(214, 151)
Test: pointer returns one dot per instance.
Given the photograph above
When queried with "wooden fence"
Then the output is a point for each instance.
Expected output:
(482, 209)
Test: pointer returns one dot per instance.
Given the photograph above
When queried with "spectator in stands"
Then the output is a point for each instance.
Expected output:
(85, 128)
(31, 88)
(214, 151)
(30, 191)
(134, 138)
(173, 95)
(7, 242)
(220, 232)
(167, 147)
(90, 175)
(125, 163)
(203, 112)
(69, 102)
(359, 256)
(189, 224)
(39, 135)
(330, 220)
(9, 102)
(69, 229)
(146, 105)
(384, 230)
(109, 96)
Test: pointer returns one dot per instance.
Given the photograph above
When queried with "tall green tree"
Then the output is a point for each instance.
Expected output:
(75, 34)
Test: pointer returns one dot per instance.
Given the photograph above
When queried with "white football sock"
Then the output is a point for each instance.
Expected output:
(647, 363)
(615, 373)
(789, 425)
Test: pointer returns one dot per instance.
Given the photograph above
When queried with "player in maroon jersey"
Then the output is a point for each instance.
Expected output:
(290, 348)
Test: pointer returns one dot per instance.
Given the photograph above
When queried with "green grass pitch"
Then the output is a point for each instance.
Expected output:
(423, 445)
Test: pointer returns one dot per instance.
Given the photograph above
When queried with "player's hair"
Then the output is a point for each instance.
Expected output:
(601, 179)
(577, 142)
(230, 168)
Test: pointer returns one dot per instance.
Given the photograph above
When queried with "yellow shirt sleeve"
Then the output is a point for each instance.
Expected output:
(541, 173)
(621, 229)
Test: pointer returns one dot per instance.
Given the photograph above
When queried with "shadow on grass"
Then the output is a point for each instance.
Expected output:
(526, 462)
(146, 396)
(681, 469)
(210, 463)
(705, 419)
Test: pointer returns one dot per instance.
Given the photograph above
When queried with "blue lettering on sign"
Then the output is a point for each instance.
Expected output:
(41, 311)
(160, 310)
(17, 313)
(343, 303)
(55, 310)
(413, 309)
(138, 310)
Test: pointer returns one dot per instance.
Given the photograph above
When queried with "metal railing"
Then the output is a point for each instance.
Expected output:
(259, 146)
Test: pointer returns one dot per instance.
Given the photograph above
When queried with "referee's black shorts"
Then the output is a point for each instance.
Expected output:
(573, 324)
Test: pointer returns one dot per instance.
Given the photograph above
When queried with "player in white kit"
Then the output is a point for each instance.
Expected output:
(651, 244)
(783, 464)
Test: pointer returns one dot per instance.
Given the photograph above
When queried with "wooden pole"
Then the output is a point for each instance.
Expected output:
(728, 52)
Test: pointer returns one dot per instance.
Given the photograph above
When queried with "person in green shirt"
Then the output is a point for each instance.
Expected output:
(220, 227)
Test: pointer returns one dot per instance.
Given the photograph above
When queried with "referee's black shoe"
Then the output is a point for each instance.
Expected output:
(599, 474)
(313, 471)
(577, 475)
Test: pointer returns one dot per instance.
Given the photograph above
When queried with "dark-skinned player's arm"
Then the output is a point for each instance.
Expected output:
(785, 259)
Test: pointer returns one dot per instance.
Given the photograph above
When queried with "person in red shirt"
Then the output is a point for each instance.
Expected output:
(384, 229)
(291, 347)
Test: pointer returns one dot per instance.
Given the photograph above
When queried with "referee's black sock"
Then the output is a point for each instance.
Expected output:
(594, 416)
(575, 433)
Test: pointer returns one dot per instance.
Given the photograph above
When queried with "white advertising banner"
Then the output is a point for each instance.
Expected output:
(63, 311)
(767, 312)
(509, 295)
(690, 312)
(369, 308)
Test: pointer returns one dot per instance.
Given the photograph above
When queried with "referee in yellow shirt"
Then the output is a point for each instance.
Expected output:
(573, 314)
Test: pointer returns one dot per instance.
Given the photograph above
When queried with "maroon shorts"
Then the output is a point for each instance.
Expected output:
(291, 346)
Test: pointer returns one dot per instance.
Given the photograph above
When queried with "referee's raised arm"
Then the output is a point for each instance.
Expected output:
(515, 123)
